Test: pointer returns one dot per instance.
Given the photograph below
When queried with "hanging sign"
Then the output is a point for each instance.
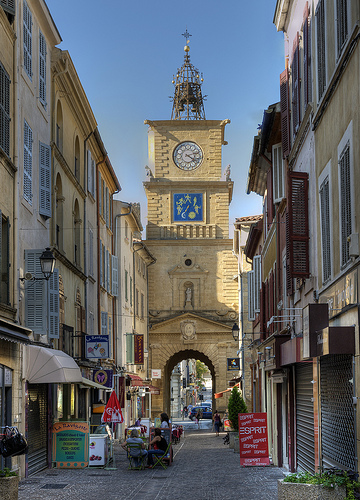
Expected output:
(233, 364)
(103, 377)
(156, 373)
(253, 439)
(138, 349)
(97, 346)
(71, 444)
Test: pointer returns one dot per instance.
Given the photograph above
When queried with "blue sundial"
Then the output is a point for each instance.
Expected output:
(188, 207)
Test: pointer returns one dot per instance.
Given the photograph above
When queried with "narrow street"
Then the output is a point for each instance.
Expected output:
(203, 467)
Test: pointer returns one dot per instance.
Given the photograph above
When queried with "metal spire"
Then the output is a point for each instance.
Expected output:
(188, 102)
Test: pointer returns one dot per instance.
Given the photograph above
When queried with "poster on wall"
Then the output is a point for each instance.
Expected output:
(253, 439)
(71, 444)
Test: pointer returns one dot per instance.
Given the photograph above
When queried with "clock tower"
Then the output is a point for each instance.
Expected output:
(193, 297)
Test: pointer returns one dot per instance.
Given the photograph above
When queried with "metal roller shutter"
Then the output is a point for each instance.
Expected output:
(337, 412)
(305, 441)
(37, 427)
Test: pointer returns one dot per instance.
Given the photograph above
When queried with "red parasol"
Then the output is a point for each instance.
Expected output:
(112, 412)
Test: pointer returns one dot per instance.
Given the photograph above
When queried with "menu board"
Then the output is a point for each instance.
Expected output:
(253, 439)
(71, 444)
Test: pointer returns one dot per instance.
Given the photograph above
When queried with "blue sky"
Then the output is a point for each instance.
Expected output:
(126, 53)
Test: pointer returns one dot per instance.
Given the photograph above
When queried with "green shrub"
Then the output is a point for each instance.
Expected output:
(327, 480)
(236, 405)
(6, 472)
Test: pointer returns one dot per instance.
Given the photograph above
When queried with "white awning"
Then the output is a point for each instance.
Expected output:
(91, 384)
(51, 366)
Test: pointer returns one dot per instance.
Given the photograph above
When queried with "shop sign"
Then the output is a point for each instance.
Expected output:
(343, 293)
(122, 392)
(253, 439)
(155, 373)
(103, 377)
(71, 444)
(97, 346)
(138, 349)
(233, 364)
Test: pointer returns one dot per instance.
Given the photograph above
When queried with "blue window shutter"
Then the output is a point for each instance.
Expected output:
(54, 305)
(104, 323)
(45, 180)
(27, 43)
(35, 296)
(42, 69)
(28, 140)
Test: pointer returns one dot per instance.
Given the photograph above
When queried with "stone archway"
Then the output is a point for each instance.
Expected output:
(189, 336)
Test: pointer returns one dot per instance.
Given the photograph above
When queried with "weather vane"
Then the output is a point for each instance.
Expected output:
(186, 35)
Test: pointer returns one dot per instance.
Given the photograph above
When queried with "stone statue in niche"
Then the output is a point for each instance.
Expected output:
(188, 298)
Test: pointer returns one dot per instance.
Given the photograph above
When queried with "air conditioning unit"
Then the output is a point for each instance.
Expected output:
(353, 240)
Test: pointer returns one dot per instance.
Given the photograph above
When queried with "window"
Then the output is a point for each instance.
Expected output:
(100, 198)
(285, 113)
(320, 48)
(115, 276)
(131, 292)
(4, 260)
(107, 206)
(28, 140)
(142, 305)
(250, 283)
(4, 110)
(9, 8)
(325, 229)
(59, 126)
(54, 325)
(77, 234)
(341, 24)
(130, 348)
(104, 323)
(345, 203)
(91, 173)
(42, 69)
(307, 88)
(77, 159)
(136, 302)
(27, 43)
(45, 181)
(278, 173)
(91, 251)
(126, 286)
(295, 86)
(257, 282)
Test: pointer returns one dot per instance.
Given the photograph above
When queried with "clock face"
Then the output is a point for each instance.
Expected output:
(188, 155)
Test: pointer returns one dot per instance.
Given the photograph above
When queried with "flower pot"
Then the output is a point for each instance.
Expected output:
(302, 491)
(9, 488)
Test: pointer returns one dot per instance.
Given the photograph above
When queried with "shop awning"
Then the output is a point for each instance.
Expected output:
(14, 333)
(218, 395)
(50, 366)
(136, 380)
(94, 385)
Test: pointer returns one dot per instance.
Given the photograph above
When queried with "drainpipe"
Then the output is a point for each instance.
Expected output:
(85, 226)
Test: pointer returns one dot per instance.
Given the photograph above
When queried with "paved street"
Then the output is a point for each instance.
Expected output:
(202, 466)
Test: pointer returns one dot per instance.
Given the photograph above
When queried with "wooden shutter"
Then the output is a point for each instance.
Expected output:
(45, 180)
(257, 282)
(341, 24)
(262, 312)
(298, 225)
(321, 48)
(325, 229)
(42, 69)
(35, 296)
(345, 194)
(115, 276)
(307, 57)
(130, 348)
(8, 6)
(295, 86)
(28, 140)
(108, 266)
(54, 321)
(285, 112)
(27, 43)
(271, 300)
(4, 110)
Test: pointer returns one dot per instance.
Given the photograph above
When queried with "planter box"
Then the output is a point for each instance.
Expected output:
(232, 436)
(236, 444)
(301, 491)
(9, 488)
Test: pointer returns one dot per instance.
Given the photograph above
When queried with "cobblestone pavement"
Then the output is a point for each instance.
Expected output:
(203, 468)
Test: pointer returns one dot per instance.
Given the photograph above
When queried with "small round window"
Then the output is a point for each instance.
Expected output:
(188, 262)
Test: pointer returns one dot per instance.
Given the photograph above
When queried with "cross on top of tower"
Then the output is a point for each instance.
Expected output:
(186, 35)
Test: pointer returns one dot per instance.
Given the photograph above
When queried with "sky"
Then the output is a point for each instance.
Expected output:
(126, 53)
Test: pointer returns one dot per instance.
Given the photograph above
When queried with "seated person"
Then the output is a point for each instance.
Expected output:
(161, 446)
(135, 452)
(165, 422)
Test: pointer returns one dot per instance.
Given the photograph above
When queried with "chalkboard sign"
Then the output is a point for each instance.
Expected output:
(71, 444)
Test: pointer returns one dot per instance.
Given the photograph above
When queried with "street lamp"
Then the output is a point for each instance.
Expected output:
(47, 263)
(235, 331)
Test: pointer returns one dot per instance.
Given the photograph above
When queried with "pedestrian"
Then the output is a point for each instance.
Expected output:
(185, 411)
(138, 422)
(197, 418)
(217, 422)
(165, 422)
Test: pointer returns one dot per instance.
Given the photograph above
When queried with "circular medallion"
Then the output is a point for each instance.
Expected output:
(188, 155)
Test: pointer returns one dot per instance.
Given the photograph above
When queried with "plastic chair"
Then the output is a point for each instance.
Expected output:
(159, 459)
(135, 462)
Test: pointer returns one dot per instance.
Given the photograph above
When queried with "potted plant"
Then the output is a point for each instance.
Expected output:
(236, 405)
(9, 484)
(331, 485)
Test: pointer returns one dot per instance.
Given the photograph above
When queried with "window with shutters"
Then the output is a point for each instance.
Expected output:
(285, 113)
(77, 159)
(9, 8)
(136, 302)
(320, 48)
(91, 323)
(130, 348)
(251, 295)
(45, 181)
(324, 194)
(257, 282)
(4, 110)
(91, 252)
(27, 179)
(307, 87)
(59, 127)
(131, 291)
(297, 228)
(99, 194)
(104, 323)
(342, 23)
(295, 86)
(345, 203)
(54, 322)
(4, 260)
(115, 276)
(77, 234)
(278, 173)
(107, 206)
(142, 306)
(91, 173)
(27, 41)
(42, 69)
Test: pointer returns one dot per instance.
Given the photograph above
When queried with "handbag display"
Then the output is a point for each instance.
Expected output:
(13, 443)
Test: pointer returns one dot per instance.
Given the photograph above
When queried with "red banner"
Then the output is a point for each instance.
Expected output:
(138, 349)
(122, 392)
(253, 439)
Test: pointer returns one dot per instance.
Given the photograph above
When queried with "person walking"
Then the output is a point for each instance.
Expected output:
(197, 418)
(217, 422)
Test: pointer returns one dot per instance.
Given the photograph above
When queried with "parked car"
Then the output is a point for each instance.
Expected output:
(205, 412)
